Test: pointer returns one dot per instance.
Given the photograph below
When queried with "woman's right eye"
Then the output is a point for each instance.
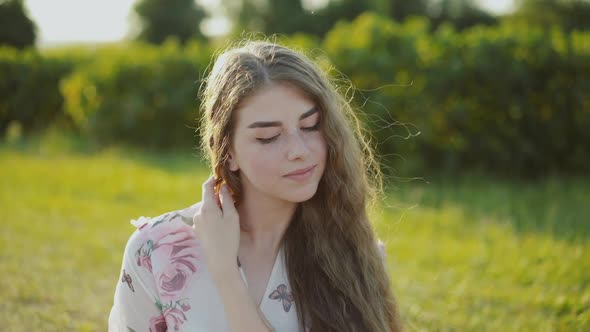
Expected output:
(267, 140)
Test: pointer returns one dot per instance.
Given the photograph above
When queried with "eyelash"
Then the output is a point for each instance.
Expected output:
(270, 140)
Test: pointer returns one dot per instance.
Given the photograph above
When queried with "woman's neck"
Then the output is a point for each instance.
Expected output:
(263, 223)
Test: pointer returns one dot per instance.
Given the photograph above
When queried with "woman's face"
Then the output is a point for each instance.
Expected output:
(276, 133)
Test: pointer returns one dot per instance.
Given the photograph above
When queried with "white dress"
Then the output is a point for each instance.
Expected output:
(164, 284)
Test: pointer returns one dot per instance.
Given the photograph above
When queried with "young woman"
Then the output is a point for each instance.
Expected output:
(280, 240)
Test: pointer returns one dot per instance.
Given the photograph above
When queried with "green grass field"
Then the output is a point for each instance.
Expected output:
(470, 254)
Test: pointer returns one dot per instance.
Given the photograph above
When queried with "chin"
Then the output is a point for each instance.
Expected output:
(302, 195)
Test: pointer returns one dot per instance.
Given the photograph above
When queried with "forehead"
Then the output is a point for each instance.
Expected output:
(274, 102)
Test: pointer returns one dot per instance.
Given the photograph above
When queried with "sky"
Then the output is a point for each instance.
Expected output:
(87, 21)
(74, 21)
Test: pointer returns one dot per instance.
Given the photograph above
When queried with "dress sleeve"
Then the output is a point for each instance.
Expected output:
(136, 304)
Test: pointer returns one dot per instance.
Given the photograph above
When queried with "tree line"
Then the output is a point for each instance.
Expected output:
(182, 19)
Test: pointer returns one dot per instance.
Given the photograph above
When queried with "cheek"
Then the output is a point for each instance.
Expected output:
(319, 147)
(260, 163)
(263, 163)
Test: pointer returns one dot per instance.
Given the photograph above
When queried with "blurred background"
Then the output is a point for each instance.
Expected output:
(479, 112)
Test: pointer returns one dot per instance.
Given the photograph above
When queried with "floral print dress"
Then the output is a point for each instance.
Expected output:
(164, 284)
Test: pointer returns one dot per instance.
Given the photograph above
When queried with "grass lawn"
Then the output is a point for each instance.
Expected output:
(470, 254)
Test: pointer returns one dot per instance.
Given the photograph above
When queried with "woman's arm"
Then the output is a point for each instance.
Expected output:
(242, 313)
(217, 225)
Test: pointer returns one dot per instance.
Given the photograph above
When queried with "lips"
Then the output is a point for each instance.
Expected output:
(301, 171)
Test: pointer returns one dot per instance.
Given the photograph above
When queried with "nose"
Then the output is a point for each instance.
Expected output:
(297, 147)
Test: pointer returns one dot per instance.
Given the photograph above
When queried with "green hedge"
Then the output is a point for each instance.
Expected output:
(142, 95)
(509, 99)
(505, 99)
(29, 88)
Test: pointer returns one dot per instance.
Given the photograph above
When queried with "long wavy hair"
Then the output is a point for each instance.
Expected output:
(335, 269)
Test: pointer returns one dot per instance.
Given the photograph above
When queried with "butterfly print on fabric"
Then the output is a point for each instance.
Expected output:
(127, 279)
(282, 295)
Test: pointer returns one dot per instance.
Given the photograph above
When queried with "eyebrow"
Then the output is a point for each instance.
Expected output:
(263, 124)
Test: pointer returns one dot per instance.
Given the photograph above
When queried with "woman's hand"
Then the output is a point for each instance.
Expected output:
(217, 226)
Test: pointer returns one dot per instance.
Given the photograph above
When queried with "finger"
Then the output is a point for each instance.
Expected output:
(208, 197)
(227, 203)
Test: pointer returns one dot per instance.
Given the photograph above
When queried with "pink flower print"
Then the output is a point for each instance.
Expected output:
(175, 248)
(282, 295)
(145, 261)
(173, 280)
(158, 324)
(143, 255)
(174, 317)
(185, 306)
(172, 314)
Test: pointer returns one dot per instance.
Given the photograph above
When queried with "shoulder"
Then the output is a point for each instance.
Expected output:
(153, 232)
(163, 254)
(185, 216)
(165, 243)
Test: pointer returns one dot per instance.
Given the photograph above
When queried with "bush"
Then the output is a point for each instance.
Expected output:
(140, 94)
(508, 99)
(29, 88)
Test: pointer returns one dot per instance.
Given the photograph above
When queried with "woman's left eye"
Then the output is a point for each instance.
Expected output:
(312, 128)
(267, 140)
(272, 139)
